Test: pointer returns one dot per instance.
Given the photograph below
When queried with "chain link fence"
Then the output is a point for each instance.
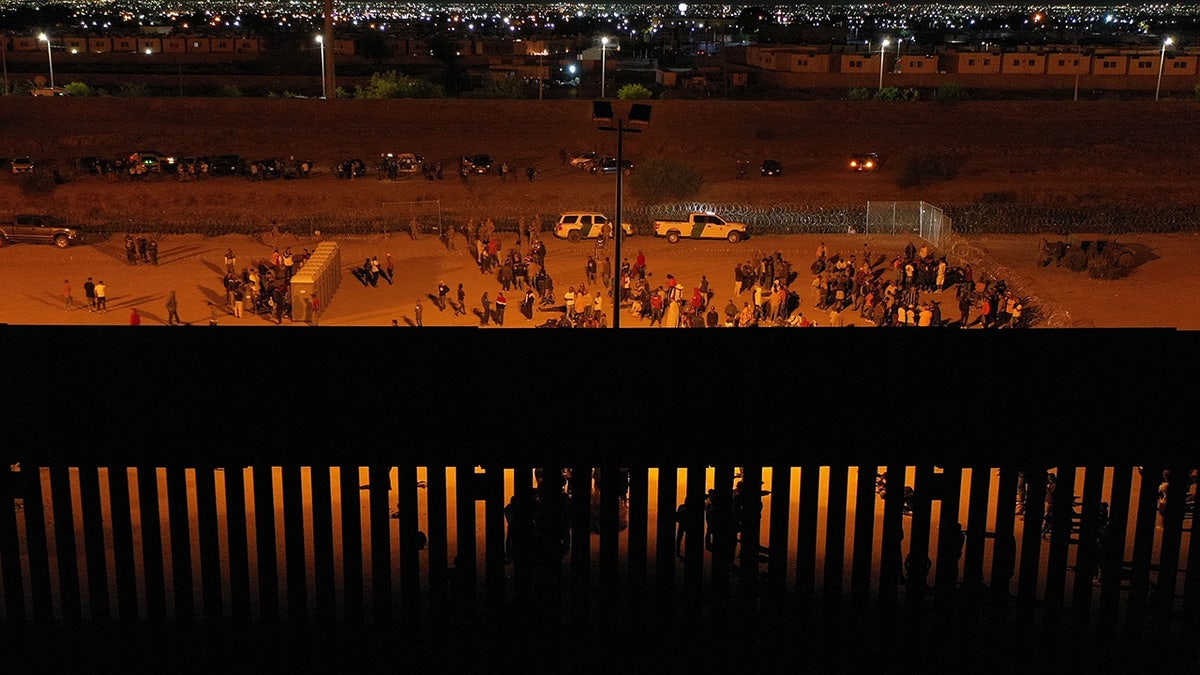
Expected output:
(924, 220)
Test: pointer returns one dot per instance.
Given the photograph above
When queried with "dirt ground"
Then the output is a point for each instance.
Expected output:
(1035, 152)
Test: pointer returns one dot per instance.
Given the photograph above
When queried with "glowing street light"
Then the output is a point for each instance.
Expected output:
(882, 53)
(1161, 59)
(603, 51)
(49, 56)
(321, 41)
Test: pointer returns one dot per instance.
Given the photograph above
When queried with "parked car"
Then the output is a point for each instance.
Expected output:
(584, 160)
(771, 167)
(609, 165)
(868, 161)
(225, 165)
(154, 161)
(38, 229)
(700, 225)
(585, 225)
(21, 165)
(478, 163)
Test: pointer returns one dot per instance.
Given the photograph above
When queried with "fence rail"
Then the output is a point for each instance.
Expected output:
(392, 506)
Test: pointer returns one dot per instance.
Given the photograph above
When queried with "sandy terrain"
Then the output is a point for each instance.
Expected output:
(1034, 152)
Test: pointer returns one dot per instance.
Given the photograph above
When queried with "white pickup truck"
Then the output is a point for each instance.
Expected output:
(700, 226)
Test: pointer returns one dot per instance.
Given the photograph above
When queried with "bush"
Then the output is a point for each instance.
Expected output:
(634, 91)
(133, 90)
(394, 85)
(951, 92)
(663, 179)
(506, 88)
(229, 91)
(888, 94)
(79, 89)
(859, 94)
(928, 167)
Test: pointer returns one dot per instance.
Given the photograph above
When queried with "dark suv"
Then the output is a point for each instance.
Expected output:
(38, 229)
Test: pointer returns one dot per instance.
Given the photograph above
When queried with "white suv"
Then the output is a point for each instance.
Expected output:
(584, 225)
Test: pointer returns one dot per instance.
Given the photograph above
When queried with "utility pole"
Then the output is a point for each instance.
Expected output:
(330, 78)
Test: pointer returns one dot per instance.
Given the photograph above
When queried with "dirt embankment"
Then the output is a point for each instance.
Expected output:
(1052, 153)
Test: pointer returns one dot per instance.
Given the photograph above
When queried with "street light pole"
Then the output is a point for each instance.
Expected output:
(1161, 60)
(49, 56)
(321, 41)
(603, 52)
(639, 114)
(882, 54)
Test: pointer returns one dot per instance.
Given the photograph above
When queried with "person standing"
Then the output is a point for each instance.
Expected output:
(101, 297)
(486, 314)
(239, 300)
(230, 261)
(135, 319)
(390, 269)
(67, 293)
(288, 263)
(316, 309)
(461, 307)
(89, 291)
(501, 305)
(527, 304)
(212, 314)
(152, 248)
(172, 310)
(419, 312)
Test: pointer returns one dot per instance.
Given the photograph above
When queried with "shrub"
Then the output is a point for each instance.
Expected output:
(634, 91)
(859, 94)
(664, 179)
(394, 85)
(229, 91)
(888, 94)
(497, 88)
(928, 167)
(79, 89)
(133, 90)
(951, 92)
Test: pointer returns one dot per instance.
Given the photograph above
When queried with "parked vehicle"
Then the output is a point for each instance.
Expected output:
(153, 161)
(38, 229)
(609, 165)
(584, 160)
(21, 165)
(771, 168)
(584, 225)
(700, 226)
(225, 165)
(478, 163)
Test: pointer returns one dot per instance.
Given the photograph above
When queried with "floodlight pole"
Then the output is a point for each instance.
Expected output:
(324, 83)
(49, 57)
(1161, 60)
(619, 230)
(882, 55)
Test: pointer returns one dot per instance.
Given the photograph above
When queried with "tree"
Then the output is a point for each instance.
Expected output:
(79, 89)
(634, 91)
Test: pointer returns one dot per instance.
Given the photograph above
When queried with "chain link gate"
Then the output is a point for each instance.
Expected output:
(924, 220)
